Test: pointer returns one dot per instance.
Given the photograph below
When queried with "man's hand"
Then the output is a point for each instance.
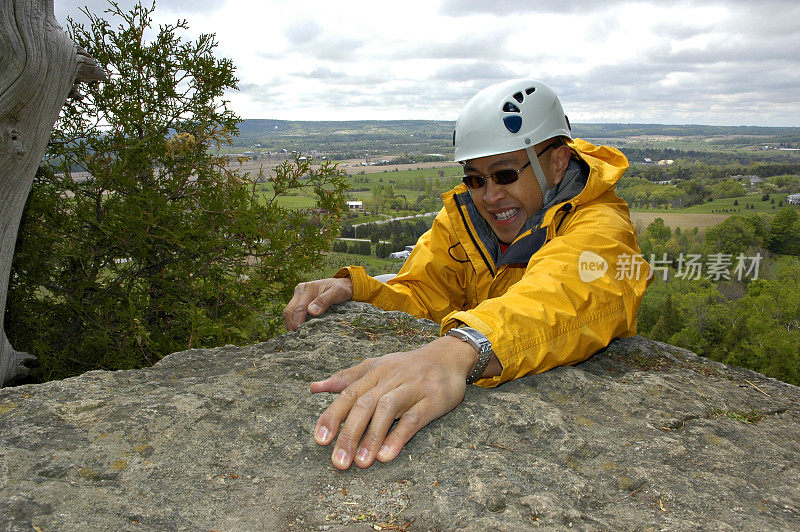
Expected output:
(414, 387)
(314, 298)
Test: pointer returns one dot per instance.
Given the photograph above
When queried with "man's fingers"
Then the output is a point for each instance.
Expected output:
(337, 291)
(324, 301)
(314, 298)
(342, 379)
(328, 423)
(358, 418)
(414, 419)
(387, 409)
(295, 312)
(413, 387)
(298, 308)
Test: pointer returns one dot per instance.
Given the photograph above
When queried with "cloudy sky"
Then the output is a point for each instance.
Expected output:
(721, 62)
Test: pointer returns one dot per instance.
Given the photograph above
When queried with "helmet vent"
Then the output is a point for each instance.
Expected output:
(513, 123)
(519, 97)
(510, 108)
(530, 90)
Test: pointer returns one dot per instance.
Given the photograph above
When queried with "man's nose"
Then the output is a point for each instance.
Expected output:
(493, 192)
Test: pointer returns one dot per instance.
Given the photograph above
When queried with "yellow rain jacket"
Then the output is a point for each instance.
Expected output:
(561, 291)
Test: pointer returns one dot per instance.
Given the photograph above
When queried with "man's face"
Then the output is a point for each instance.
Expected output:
(506, 207)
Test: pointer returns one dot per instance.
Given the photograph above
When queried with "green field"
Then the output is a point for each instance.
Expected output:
(373, 265)
(721, 205)
(726, 206)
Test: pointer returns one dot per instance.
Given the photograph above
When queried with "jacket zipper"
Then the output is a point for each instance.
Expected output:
(472, 237)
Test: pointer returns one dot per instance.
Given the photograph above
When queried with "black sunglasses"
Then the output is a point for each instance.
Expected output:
(505, 176)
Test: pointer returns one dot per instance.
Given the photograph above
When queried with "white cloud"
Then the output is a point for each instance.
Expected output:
(710, 61)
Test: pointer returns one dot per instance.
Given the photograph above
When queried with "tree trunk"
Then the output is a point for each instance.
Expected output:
(39, 65)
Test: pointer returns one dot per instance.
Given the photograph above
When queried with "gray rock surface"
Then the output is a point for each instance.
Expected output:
(642, 436)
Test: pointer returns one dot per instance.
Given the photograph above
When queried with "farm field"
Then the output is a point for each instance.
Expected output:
(373, 265)
(351, 167)
(677, 219)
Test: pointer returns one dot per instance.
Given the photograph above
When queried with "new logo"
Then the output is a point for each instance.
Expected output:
(591, 266)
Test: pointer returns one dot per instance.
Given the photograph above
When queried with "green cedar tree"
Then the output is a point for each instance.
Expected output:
(139, 240)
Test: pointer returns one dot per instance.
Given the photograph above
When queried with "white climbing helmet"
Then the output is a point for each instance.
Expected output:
(509, 116)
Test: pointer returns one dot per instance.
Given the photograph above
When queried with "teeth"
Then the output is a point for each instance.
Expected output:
(505, 215)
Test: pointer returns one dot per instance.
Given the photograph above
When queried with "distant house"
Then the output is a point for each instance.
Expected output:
(355, 206)
(663, 182)
(647, 160)
(793, 199)
(665, 162)
(752, 179)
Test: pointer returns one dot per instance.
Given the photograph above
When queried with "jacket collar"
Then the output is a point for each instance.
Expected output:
(593, 171)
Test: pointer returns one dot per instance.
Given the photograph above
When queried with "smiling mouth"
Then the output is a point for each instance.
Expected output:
(505, 215)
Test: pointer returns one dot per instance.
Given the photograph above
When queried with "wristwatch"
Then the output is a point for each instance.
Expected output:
(481, 344)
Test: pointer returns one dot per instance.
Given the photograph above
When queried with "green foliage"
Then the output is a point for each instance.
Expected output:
(727, 188)
(785, 183)
(750, 323)
(669, 323)
(158, 247)
(785, 232)
(655, 238)
(733, 235)
(384, 199)
(641, 192)
(759, 330)
(401, 233)
(359, 247)
(383, 250)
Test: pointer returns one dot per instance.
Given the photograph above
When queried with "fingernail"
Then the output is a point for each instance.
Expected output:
(322, 434)
(313, 307)
(362, 454)
(384, 452)
(341, 457)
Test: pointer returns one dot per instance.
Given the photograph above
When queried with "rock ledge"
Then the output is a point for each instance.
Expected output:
(643, 435)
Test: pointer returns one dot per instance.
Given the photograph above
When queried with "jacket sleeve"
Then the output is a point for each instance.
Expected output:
(563, 310)
(431, 283)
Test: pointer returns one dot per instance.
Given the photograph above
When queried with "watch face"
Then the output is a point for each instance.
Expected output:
(474, 337)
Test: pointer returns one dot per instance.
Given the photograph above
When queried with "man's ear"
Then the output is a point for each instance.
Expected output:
(561, 157)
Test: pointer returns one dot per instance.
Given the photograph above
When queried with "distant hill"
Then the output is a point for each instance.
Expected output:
(692, 130)
(348, 138)
(425, 136)
(280, 128)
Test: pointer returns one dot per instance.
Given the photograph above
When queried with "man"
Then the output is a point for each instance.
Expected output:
(519, 268)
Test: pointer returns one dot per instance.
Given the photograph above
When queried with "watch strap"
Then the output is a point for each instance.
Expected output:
(480, 343)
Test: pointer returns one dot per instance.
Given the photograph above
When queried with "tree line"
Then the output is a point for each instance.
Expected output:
(400, 233)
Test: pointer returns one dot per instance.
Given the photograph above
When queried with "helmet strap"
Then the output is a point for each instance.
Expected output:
(537, 170)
